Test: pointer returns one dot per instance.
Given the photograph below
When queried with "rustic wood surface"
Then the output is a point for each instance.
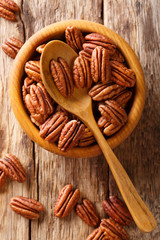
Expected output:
(138, 23)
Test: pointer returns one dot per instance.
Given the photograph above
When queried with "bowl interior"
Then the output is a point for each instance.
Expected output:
(56, 31)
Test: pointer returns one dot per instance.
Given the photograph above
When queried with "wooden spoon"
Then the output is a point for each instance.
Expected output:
(80, 104)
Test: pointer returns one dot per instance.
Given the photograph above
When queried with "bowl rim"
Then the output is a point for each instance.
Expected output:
(17, 70)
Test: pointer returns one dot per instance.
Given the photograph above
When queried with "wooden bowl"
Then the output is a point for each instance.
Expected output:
(56, 31)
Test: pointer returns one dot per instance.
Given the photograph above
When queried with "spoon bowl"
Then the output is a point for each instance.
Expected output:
(80, 104)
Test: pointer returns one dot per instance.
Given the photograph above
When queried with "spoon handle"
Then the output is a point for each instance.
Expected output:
(139, 211)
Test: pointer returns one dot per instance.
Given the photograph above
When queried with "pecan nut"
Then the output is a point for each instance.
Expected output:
(66, 201)
(74, 38)
(12, 46)
(93, 40)
(113, 230)
(123, 97)
(40, 48)
(70, 135)
(118, 56)
(86, 139)
(117, 210)
(7, 9)
(12, 167)
(32, 68)
(85, 54)
(62, 76)
(108, 127)
(26, 207)
(104, 91)
(81, 73)
(87, 212)
(52, 127)
(100, 65)
(97, 234)
(122, 75)
(10, 4)
(3, 177)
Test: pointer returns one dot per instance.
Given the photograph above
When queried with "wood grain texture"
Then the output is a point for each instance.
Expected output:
(138, 23)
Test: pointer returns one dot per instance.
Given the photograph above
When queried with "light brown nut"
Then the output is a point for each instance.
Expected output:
(28, 83)
(113, 112)
(122, 75)
(62, 76)
(26, 207)
(12, 167)
(40, 48)
(74, 38)
(81, 73)
(93, 40)
(52, 127)
(100, 65)
(70, 135)
(85, 54)
(10, 4)
(87, 212)
(86, 139)
(113, 229)
(123, 97)
(7, 13)
(104, 91)
(108, 127)
(97, 234)
(12, 46)
(3, 177)
(66, 201)
(117, 210)
(118, 56)
(32, 68)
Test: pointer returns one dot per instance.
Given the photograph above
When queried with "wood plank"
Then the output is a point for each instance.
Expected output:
(138, 23)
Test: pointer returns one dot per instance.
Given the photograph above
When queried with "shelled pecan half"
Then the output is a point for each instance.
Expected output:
(86, 139)
(12, 167)
(85, 54)
(117, 210)
(108, 127)
(81, 73)
(74, 38)
(12, 46)
(104, 91)
(3, 177)
(8, 9)
(123, 97)
(40, 48)
(66, 201)
(32, 68)
(52, 127)
(28, 83)
(118, 56)
(87, 212)
(113, 230)
(100, 65)
(62, 76)
(122, 75)
(26, 207)
(93, 40)
(70, 135)
(10, 4)
(98, 234)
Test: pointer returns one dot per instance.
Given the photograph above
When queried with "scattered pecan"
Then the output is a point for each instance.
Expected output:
(85, 54)
(122, 75)
(70, 135)
(107, 126)
(12, 167)
(74, 38)
(113, 230)
(62, 76)
(40, 48)
(86, 139)
(113, 112)
(87, 212)
(26, 207)
(98, 234)
(100, 65)
(66, 201)
(117, 210)
(3, 177)
(123, 97)
(12, 46)
(52, 127)
(118, 56)
(81, 73)
(7, 9)
(103, 91)
(32, 68)
(10, 4)
(93, 40)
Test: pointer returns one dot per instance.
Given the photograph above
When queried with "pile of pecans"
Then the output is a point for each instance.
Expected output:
(101, 68)
(110, 228)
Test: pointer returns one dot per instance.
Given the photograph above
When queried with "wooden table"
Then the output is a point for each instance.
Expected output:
(138, 23)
